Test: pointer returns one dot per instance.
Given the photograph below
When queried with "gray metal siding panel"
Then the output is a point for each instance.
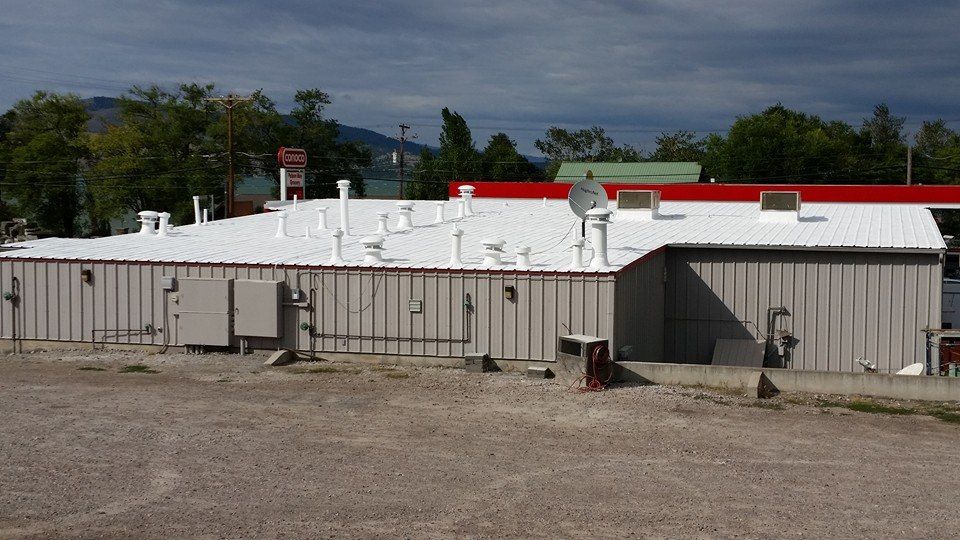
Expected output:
(842, 305)
(638, 310)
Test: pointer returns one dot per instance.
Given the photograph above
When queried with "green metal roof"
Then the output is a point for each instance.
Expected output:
(649, 172)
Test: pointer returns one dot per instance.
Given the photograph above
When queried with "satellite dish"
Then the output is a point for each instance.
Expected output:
(913, 369)
(586, 195)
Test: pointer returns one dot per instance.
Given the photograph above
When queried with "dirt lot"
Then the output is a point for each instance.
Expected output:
(222, 447)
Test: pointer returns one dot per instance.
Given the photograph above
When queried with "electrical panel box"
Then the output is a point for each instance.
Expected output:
(206, 311)
(258, 308)
(168, 283)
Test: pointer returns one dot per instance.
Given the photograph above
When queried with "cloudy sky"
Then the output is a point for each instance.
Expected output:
(519, 66)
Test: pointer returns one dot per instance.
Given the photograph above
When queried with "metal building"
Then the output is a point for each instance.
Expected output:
(437, 280)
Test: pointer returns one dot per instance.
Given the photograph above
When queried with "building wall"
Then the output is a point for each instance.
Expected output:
(842, 305)
(638, 320)
(357, 311)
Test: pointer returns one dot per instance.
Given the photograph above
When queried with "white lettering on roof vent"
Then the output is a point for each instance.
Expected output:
(635, 204)
(779, 206)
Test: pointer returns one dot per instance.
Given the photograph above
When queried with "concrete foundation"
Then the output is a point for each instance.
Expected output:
(787, 380)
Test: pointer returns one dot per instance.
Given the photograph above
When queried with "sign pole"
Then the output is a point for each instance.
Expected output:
(283, 183)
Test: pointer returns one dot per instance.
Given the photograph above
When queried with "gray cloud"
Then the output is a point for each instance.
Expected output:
(517, 66)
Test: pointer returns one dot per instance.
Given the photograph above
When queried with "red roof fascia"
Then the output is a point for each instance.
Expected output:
(846, 193)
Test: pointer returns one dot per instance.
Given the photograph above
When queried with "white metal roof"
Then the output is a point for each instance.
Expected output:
(549, 230)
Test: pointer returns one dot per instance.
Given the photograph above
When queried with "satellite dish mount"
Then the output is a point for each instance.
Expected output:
(584, 196)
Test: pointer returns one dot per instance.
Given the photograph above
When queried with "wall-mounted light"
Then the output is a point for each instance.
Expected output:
(86, 276)
(510, 293)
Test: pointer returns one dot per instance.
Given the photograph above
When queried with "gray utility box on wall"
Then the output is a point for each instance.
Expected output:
(206, 308)
(257, 310)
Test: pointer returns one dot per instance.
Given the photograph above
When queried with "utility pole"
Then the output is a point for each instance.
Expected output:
(403, 139)
(229, 102)
(909, 164)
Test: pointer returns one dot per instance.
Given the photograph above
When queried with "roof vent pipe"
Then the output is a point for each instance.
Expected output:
(466, 193)
(523, 257)
(322, 218)
(306, 232)
(492, 251)
(164, 223)
(281, 224)
(148, 222)
(372, 249)
(460, 213)
(344, 187)
(294, 202)
(406, 215)
(382, 218)
(577, 262)
(206, 216)
(598, 219)
(440, 207)
(456, 236)
(196, 209)
(336, 253)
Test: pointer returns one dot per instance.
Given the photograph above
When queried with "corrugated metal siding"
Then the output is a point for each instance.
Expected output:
(639, 309)
(842, 304)
(357, 310)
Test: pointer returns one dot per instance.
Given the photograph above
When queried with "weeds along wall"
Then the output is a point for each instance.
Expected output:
(351, 310)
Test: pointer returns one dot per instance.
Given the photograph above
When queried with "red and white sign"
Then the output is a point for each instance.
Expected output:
(292, 158)
(295, 178)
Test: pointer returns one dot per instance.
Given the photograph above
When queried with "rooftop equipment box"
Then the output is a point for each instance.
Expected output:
(258, 305)
(206, 306)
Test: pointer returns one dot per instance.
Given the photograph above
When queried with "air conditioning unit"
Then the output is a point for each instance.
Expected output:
(638, 204)
(629, 199)
(576, 352)
(780, 206)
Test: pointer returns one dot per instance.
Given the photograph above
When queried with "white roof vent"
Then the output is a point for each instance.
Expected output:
(779, 206)
(635, 204)
(492, 251)
(148, 222)
(372, 249)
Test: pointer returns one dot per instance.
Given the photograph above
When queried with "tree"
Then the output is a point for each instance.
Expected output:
(679, 146)
(6, 125)
(501, 161)
(591, 145)
(47, 149)
(782, 145)
(457, 159)
(159, 156)
(936, 153)
(887, 151)
(328, 159)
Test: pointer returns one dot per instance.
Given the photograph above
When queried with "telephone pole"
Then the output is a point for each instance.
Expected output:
(403, 139)
(909, 164)
(229, 102)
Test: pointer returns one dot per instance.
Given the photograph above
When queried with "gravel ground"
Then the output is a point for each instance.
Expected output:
(219, 446)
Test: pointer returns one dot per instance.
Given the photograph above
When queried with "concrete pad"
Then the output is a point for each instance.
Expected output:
(281, 358)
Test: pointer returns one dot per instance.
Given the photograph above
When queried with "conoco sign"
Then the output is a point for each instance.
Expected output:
(292, 158)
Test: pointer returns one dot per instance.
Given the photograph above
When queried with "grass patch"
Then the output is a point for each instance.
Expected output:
(396, 375)
(945, 415)
(91, 368)
(137, 368)
(876, 408)
(325, 369)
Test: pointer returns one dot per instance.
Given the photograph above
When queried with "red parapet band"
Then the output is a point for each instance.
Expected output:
(843, 193)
